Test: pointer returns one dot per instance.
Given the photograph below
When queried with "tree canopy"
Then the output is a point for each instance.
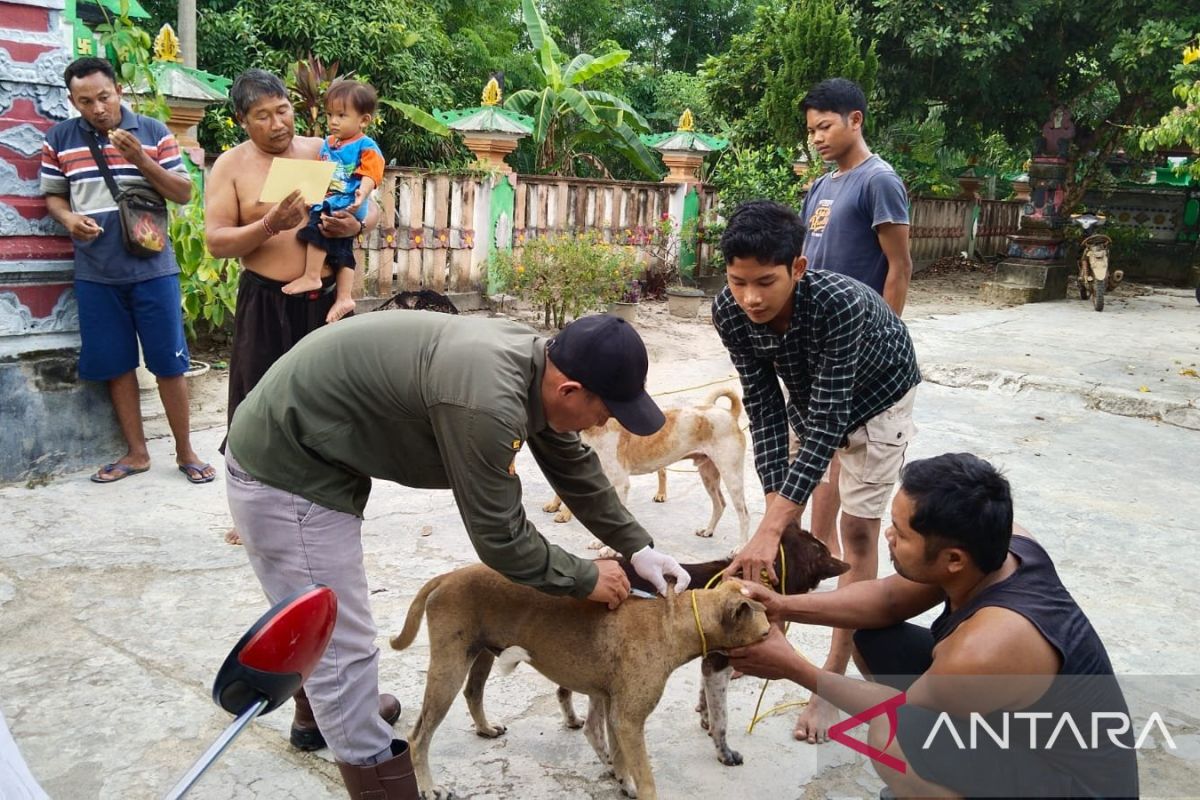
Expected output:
(944, 78)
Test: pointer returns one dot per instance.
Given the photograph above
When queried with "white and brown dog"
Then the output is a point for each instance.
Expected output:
(707, 434)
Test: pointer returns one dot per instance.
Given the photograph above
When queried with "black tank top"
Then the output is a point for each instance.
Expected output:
(1035, 592)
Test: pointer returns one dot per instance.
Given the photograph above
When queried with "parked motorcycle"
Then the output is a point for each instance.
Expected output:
(1095, 278)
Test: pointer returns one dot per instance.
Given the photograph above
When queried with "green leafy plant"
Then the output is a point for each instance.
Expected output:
(208, 285)
(219, 130)
(661, 248)
(747, 173)
(1181, 125)
(570, 121)
(566, 276)
(916, 148)
(817, 40)
(132, 47)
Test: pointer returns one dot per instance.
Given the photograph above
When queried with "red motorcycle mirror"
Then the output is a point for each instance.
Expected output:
(267, 666)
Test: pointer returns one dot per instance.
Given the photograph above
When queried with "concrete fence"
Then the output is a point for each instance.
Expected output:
(438, 230)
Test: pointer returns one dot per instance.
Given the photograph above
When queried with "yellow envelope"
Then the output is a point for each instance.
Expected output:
(287, 175)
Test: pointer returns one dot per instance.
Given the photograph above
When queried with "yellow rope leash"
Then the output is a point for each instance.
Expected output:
(762, 692)
(694, 388)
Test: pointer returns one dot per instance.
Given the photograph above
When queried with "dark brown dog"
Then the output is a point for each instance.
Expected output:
(804, 564)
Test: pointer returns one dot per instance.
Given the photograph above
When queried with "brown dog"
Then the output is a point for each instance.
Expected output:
(708, 434)
(804, 563)
(620, 659)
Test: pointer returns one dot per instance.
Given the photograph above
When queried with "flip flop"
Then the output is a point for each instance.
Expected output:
(196, 469)
(123, 471)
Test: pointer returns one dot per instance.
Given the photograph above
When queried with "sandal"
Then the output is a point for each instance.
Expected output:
(195, 472)
(122, 471)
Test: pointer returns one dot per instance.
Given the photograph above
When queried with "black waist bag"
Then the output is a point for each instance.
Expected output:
(142, 211)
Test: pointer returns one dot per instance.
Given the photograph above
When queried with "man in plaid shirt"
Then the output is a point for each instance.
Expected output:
(850, 372)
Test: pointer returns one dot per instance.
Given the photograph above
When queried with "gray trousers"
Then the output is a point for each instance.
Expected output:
(293, 542)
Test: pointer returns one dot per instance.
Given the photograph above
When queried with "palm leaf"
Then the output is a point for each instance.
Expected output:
(418, 117)
(616, 109)
(579, 104)
(543, 45)
(630, 146)
(521, 100)
(543, 115)
(579, 70)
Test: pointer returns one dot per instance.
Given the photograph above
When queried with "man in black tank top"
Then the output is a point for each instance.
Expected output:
(1009, 694)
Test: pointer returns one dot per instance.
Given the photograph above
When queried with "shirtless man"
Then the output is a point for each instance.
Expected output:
(263, 236)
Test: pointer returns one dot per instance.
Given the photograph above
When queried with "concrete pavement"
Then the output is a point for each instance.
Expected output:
(118, 603)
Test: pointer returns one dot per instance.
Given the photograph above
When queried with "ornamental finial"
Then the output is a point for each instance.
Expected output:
(166, 44)
(491, 93)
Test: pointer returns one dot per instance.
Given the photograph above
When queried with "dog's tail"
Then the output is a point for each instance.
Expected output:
(412, 623)
(508, 659)
(735, 402)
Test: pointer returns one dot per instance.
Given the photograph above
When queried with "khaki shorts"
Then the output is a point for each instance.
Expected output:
(871, 460)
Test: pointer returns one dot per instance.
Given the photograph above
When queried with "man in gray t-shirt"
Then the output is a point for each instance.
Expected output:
(857, 221)
(844, 212)
(857, 217)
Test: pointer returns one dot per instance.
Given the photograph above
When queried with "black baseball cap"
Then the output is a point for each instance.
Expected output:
(606, 355)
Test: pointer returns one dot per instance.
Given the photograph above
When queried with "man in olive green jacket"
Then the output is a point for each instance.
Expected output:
(430, 401)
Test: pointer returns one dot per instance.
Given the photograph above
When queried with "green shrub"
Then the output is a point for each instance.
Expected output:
(208, 285)
(566, 276)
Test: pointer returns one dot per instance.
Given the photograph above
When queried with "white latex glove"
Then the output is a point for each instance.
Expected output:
(654, 566)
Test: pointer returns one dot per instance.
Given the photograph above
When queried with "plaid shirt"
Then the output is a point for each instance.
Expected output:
(844, 358)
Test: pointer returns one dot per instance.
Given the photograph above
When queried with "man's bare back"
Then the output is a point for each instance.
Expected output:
(234, 187)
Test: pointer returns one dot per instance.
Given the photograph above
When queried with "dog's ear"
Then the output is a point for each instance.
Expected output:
(831, 567)
(738, 609)
(817, 560)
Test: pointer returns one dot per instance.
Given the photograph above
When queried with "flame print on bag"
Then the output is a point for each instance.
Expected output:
(148, 235)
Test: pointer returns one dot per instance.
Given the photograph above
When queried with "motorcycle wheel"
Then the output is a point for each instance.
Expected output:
(1098, 295)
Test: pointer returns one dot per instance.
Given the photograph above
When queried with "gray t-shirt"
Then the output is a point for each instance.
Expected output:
(842, 211)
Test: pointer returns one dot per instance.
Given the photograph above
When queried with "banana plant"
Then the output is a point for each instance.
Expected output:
(569, 118)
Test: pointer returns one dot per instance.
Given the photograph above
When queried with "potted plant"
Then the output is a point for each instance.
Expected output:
(626, 305)
(684, 301)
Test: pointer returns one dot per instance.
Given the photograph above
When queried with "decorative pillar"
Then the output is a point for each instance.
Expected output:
(52, 422)
(683, 151)
(1034, 269)
(491, 132)
(187, 92)
(490, 149)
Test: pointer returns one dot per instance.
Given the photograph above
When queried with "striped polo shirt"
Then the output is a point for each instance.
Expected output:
(68, 168)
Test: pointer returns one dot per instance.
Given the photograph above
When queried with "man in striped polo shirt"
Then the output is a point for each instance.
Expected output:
(121, 297)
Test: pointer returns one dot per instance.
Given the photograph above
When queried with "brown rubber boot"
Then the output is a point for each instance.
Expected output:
(305, 734)
(389, 780)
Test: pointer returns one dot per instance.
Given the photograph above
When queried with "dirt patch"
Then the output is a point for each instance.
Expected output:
(948, 286)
